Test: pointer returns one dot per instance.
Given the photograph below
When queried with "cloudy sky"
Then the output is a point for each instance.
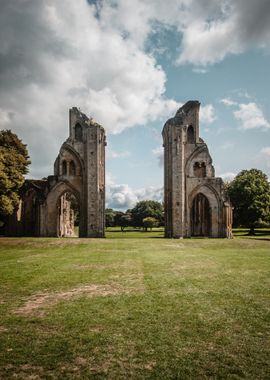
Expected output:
(130, 64)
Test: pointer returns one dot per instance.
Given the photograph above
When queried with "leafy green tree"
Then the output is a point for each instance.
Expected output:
(250, 195)
(148, 208)
(109, 217)
(14, 161)
(149, 222)
(117, 218)
(125, 221)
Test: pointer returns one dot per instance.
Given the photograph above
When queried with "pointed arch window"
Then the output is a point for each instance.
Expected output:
(72, 168)
(64, 168)
(199, 169)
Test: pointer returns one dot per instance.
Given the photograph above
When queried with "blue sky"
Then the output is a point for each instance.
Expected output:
(131, 64)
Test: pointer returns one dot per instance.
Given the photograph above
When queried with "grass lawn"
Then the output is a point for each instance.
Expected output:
(135, 306)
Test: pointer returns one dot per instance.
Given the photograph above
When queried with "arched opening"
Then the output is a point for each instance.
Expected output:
(29, 213)
(190, 135)
(72, 168)
(199, 169)
(64, 168)
(200, 216)
(78, 132)
(68, 215)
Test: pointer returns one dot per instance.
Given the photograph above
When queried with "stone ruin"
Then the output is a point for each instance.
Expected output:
(48, 207)
(194, 199)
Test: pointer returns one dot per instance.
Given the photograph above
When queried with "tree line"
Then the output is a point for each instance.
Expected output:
(146, 214)
(249, 193)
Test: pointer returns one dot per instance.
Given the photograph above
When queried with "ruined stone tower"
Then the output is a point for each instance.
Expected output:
(81, 163)
(76, 191)
(195, 201)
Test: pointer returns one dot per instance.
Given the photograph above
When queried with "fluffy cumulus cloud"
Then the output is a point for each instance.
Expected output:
(56, 54)
(207, 114)
(120, 197)
(251, 116)
(223, 27)
(123, 197)
(208, 30)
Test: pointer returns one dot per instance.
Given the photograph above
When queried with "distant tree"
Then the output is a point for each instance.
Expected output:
(148, 208)
(14, 162)
(109, 217)
(150, 222)
(117, 218)
(250, 195)
(125, 221)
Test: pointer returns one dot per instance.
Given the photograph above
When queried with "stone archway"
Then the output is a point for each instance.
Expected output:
(54, 203)
(68, 215)
(203, 204)
(200, 216)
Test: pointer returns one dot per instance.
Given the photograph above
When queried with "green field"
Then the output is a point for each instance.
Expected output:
(135, 306)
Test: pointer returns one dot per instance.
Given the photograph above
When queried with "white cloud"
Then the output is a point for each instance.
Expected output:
(223, 28)
(110, 179)
(228, 102)
(228, 176)
(55, 55)
(159, 153)
(150, 193)
(207, 114)
(123, 197)
(120, 197)
(206, 43)
(251, 117)
(112, 154)
(265, 155)
(58, 54)
(208, 30)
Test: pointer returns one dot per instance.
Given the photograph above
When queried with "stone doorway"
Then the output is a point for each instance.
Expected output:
(200, 216)
(68, 215)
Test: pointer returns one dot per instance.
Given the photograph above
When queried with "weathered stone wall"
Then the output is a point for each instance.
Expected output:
(188, 172)
(79, 169)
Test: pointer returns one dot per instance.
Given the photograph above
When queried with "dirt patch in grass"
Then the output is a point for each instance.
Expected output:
(48, 242)
(37, 304)
(73, 241)
(174, 246)
(24, 371)
(127, 264)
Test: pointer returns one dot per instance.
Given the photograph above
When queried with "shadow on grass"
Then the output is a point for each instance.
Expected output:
(260, 233)
(261, 239)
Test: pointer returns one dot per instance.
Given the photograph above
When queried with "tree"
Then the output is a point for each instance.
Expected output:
(144, 209)
(117, 218)
(14, 161)
(125, 221)
(109, 217)
(250, 195)
(150, 222)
